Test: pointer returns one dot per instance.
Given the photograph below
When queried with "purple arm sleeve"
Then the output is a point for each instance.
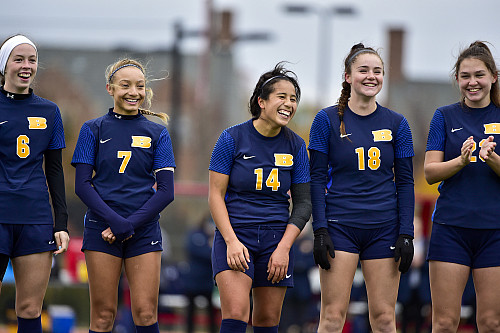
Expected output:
(120, 227)
(164, 195)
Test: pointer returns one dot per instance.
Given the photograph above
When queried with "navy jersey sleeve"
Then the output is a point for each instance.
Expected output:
(403, 177)
(164, 155)
(319, 169)
(300, 173)
(57, 137)
(403, 144)
(320, 133)
(222, 155)
(85, 147)
(437, 133)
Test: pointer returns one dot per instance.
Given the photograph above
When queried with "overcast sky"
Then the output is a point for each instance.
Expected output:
(436, 30)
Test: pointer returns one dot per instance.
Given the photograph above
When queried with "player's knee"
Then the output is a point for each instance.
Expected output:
(331, 321)
(266, 319)
(236, 313)
(145, 315)
(488, 322)
(28, 309)
(104, 318)
(445, 324)
(383, 322)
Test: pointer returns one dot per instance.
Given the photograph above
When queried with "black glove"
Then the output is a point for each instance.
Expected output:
(404, 250)
(322, 247)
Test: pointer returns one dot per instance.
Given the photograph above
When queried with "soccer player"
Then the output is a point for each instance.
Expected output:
(253, 166)
(466, 229)
(31, 131)
(361, 157)
(128, 154)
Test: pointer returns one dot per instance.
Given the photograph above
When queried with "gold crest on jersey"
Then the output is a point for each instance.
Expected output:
(283, 159)
(37, 123)
(382, 135)
(141, 141)
(492, 128)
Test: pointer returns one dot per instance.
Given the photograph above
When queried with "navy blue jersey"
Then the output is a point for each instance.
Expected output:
(28, 128)
(261, 170)
(124, 150)
(360, 189)
(471, 197)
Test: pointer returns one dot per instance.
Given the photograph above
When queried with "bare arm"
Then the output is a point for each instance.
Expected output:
(436, 169)
(487, 153)
(278, 263)
(237, 253)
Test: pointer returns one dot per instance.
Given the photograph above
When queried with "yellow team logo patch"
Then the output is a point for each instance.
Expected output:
(141, 141)
(283, 159)
(493, 128)
(382, 135)
(37, 123)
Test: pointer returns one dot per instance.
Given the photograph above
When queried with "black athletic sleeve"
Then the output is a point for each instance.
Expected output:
(55, 180)
(301, 200)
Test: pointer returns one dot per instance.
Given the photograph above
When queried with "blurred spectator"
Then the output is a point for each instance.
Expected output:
(299, 308)
(199, 283)
(414, 289)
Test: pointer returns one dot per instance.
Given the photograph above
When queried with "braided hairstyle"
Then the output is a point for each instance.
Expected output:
(479, 50)
(113, 68)
(345, 93)
(265, 86)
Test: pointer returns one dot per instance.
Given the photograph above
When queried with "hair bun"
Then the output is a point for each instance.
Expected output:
(358, 46)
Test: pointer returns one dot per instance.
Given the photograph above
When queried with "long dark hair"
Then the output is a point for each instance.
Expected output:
(265, 86)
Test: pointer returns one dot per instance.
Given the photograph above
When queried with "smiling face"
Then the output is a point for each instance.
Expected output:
(366, 76)
(475, 81)
(128, 88)
(279, 108)
(20, 69)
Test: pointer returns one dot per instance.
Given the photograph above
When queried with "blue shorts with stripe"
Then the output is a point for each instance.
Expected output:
(147, 238)
(23, 239)
(368, 243)
(261, 240)
(476, 248)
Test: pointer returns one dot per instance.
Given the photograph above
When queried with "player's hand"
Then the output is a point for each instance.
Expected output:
(466, 151)
(108, 236)
(62, 241)
(487, 148)
(237, 256)
(277, 267)
(122, 230)
(403, 249)
(323, 246)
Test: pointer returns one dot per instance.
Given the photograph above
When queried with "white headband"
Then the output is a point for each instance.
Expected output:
(7, 48)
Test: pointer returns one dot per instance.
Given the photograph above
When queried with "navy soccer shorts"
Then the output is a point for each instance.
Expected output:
(23, 239)
(147, 238)
(476, 248)
(368, 243)
(261, 241)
